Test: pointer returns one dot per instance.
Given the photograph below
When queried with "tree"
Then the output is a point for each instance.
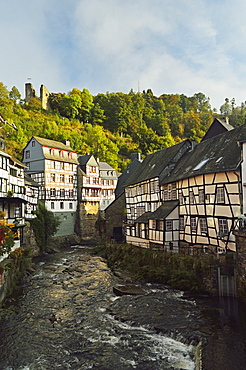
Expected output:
(96, 142)
(44, 225)
(3, 93)
(14, 94)
(202, 102)
(70, 105)
(226, 108)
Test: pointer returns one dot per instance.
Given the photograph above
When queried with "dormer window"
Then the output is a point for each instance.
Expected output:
(61, 153)
(51, 151)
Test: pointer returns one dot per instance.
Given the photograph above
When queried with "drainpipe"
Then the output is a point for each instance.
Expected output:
(240, 188)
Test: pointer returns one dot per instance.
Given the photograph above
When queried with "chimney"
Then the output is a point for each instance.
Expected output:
(66, 142)
(136, 156)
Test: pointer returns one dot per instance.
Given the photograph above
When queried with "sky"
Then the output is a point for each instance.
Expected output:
(170, 47)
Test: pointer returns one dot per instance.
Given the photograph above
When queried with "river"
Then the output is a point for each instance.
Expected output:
(66, 316)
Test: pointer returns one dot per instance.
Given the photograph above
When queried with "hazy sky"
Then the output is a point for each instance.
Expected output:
(181, 46)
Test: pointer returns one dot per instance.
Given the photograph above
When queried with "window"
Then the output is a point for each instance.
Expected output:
(4, 163)
(13, 172)
(153, 224)
(27, 154)
(181, 223)
(169, 225)
(159, 225)
(153, 187)
(193, 224)
(61, 154)
(192, 197)
(223, 227)
(62, 178)
(61, 205)
(170, 192)
(17, 212)
(70, 205)
(181, 199)
(201, 195)
(53, 177)
(62, 193)
(70, 179)
(51, 151)
(33, 143)
(52, 205)
(220, 195)
(203, 225)
(52, 192)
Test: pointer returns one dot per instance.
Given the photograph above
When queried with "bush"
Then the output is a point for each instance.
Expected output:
(44, 225)
(184, 273)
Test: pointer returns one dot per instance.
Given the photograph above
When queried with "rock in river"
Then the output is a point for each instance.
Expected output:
(128, 289)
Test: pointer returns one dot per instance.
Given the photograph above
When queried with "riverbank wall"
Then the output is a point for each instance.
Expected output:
(213, 275)
(19, 261)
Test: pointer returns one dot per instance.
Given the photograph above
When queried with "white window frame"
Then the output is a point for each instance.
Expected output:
(169, 225)
(193, 224)
(223, 226)
(220, 195)
(203, 225)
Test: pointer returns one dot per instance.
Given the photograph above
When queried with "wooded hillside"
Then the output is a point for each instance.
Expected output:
(111, 126)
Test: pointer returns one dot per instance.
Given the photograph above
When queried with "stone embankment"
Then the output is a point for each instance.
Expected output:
(19, 262)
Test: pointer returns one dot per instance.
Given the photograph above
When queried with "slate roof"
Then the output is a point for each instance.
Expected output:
(132, 168)
(225, 124)
(219, 126)
(156, 164)
(29, 181)
(53, 144)
(18, 163)
(104, 166)
(160, 213)
(84, 159)
(218, 154)
(144, 218)
(164, 210)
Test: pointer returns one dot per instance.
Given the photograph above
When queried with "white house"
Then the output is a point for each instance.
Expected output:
(53, 165)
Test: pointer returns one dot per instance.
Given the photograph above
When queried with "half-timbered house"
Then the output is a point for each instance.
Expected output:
(53, 165)
(208, 185)
(199, 199)
(145, 218)
(12, 194)
(108, 179)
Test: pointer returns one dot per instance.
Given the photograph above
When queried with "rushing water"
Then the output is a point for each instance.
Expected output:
(67, 317)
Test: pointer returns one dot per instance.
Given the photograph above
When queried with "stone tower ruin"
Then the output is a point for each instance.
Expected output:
(31, 93)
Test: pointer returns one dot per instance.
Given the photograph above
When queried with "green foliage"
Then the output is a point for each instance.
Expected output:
(185, 273)
(6, 239)
(112, 125)
(44, 225)
(14, 94)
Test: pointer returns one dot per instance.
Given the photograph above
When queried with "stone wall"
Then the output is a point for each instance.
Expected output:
(44, 97)
(115, 215)
(86, 223)
(29, 92)
(29, 240)
(241, 263)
